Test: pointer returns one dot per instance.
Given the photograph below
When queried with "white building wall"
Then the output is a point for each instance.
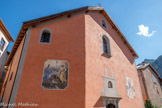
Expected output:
(3, 54)
(2, 35)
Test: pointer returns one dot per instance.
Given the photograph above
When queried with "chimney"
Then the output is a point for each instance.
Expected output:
(143, 63)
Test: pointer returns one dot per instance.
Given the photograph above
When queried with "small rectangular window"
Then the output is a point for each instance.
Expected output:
(11, 76)
(153, 78)
(104, 24)
(2, 44)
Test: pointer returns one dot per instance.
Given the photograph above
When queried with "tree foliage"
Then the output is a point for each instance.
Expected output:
(149, 104)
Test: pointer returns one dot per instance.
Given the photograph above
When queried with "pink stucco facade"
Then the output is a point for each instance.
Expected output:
(121, 63)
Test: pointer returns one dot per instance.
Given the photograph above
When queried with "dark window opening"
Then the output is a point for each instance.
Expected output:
(3, 76)
(110, 106)
(2, 44)
(104, 24)
(11, 76)
(106, 45)
(105, 49)
(45, 38)
(110, 84)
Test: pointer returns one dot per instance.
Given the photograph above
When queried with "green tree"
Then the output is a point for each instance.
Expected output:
(149, 104)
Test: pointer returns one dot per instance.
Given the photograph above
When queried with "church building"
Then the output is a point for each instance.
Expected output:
(74, 59)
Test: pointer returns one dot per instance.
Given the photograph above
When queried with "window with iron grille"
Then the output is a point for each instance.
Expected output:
(45, 37)
(106, 45)
(11, 76)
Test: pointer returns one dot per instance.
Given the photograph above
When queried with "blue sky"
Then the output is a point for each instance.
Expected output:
(129, 16)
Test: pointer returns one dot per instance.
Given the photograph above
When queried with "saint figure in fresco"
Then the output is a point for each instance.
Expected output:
(47, 73)
(55, 74)
(63, 74)
(130, 88)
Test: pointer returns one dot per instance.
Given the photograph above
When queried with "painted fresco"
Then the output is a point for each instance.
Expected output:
(130, 88)
(55, 74)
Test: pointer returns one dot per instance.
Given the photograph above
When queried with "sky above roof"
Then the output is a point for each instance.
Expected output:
(139, 20)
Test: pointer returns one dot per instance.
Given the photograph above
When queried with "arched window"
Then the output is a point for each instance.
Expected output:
(106, 45)
(45, 36)
(104, 24)
(110, 84)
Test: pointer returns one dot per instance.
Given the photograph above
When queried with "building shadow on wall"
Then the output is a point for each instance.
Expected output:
(99, 103)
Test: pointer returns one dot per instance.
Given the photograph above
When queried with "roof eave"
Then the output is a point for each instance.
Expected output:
(6, 31)
(154, 70)
(141, 68)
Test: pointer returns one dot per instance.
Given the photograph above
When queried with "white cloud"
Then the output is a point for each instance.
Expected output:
(144, 30)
